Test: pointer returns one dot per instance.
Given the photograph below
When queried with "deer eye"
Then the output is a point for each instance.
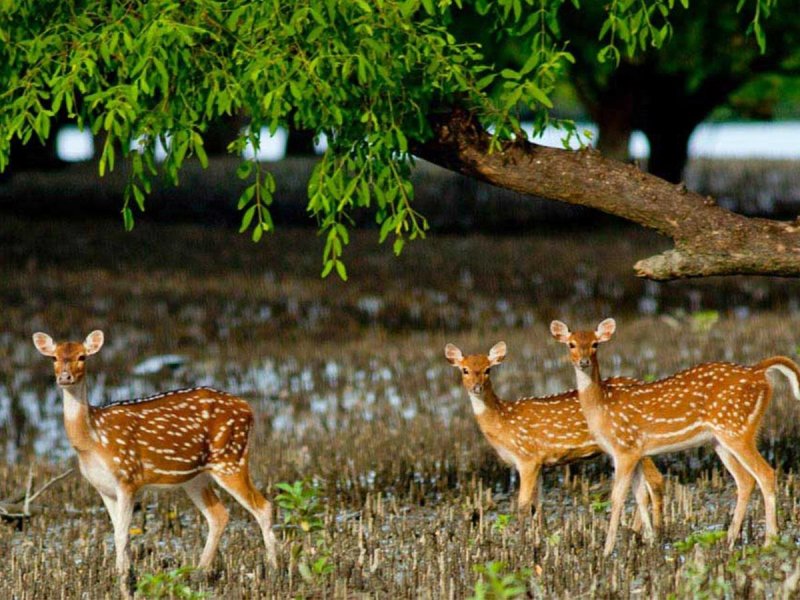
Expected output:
(572, 345)
(486, 372)
(55, 358)
(594, 344)
(465, 371)
(82, 357)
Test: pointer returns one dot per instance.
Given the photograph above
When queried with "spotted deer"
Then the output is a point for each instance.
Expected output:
(529, 433)
(183, 438)
(717, 403)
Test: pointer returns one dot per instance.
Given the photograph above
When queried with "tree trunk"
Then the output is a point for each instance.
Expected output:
(669, 146)
(614, 133)
(300, 143)
(709, 240)
(613, 109)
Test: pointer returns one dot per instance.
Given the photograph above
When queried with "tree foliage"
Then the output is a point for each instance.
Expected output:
(368, 74)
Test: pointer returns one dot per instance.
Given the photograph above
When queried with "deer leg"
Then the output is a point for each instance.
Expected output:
(122, 524)
(529, 491)
(241, 488)
(744, 487)
(655, 488)
(538, 502)
(640, 492)
(111, 507)
(747, 454)
(206, 500)
(624, 467)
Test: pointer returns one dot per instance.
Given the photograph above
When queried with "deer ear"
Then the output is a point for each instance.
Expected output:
(44, 344)
(560, 331)
(94, 341)
(497, 354)
(605, 330)
(453, 354)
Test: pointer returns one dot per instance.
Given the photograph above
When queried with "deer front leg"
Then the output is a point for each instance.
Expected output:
(111, 506)
(624, 467)
(529, 489)
(122, 526)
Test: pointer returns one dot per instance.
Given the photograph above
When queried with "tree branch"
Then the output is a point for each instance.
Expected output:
(709, 240)
(21, 507)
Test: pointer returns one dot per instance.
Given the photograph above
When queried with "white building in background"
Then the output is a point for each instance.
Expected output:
(770, 140)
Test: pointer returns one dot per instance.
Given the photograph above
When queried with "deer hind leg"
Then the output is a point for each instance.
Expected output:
(240, 486)
(744, 488)
(747, 454)
(206, 500)
(654, 481)
(642, 496)
(624, 468)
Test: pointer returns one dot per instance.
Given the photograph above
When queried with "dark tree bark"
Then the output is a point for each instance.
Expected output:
(709, 240)
(300, 143)
(638, 97)
(34, 156)
(221, 133)
(613, 108)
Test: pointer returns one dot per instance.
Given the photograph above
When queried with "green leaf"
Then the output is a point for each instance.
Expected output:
(127, 218)
(539, 95)
(509, 74)
(341, 270)
(138, 197)
(247, 218)
(244, 170)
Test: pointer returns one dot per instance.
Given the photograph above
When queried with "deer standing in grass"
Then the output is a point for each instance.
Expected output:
(184, 438)
(718, 403)
(529, 433)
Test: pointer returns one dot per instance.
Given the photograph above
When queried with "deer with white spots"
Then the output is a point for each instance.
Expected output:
(183, 438)
(716, 403)
(529, 433)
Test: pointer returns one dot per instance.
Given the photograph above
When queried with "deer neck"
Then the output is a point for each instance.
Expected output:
(590, 387)
(77, 421)
(484, 403)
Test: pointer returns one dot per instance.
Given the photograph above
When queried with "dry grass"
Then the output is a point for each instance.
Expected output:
(353, 393)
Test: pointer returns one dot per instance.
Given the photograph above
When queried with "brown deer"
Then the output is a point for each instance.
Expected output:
(718, 403)
(529, 433)
(184, 438)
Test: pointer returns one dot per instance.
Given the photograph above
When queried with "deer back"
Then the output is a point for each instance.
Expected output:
(168, 438)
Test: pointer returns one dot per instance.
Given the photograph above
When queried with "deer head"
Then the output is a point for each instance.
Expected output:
(69, 358)
(476, 367)
(583, 344)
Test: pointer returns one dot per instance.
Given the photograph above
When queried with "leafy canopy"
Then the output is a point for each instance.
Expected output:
(365, 73)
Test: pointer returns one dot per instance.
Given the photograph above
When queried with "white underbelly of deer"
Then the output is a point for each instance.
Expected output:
(674, 441)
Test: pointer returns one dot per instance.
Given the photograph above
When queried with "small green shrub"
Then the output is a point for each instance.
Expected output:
(495, 583)
(703, 538)
(502, 522)
(169, 584)
(301, 506)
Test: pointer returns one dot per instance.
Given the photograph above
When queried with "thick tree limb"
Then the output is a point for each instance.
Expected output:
(709, 240)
